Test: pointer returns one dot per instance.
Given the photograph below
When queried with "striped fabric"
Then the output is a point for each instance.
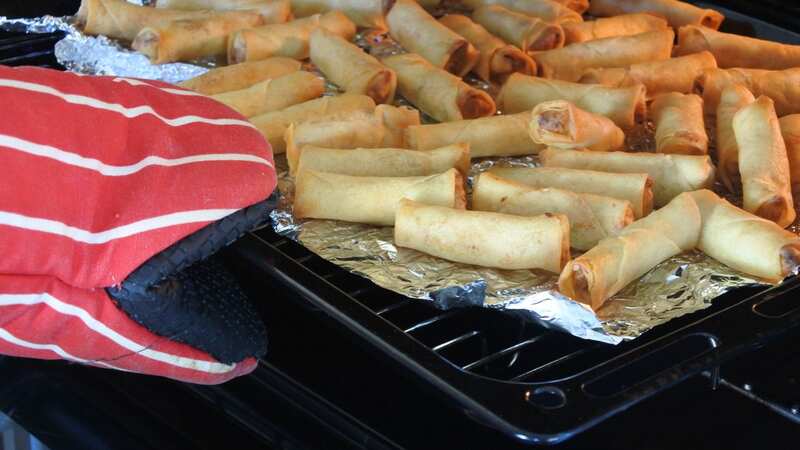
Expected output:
(97, 175)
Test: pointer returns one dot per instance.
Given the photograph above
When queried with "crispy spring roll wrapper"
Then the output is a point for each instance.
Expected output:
(763, 164)
(273, 95)
(659, 77)
(679, 124)
(569, 63)
(526, 32)
(624, 25)
(503, 135)
(677, 13)
(598, 274)
(790, 130)
(782, 86)
(488, 239)
(733, 98)
(240, 76)
(635, 188)
(285, 39)
(273, 125)
(671, 174)
(418, 32)
(561, 124)
(185, 40)
(273, 11)
(385, 162)
(745, 242)
(591, 217)
(442, 95)
(626, 106)
(733, 50)
(497, 59)
(371, 200)
(547, 10)
(579, 6)
(364, 13)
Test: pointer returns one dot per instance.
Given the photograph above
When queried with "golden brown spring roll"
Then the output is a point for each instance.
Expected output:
(273, 95)
(591, 217)
(526, 32)
(240, 76)
(185, 40)
(440, 94)
(782, 86)
(626, 106)
(677, 13)
(598, 274)
(371, 200)
(679, 124)
(285, 39)
(497, 59)
(733, 50)
(624, 25)
(547, 10)
(733, 98)
(418, 32)
(763, 164)
(579, 6)
(561, 124)
(671, 174)
(636, 188)
(273, 125)
(481, 238)
(385, 162)
(659, 77)
(364, 13)
(350, 68)
(790, 130)
(273, 11)
(569, 63)
(744, 241)
(503, 135)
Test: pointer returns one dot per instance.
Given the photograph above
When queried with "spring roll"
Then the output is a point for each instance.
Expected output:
(745, 242)
(547, 10)
(659, 77)
(579, 6)
(561, 124)
(503, 135)
(497, 59)
(481, 238)
(598, 274)
(635, 188)
(385, 162)
(569, 63)
(733, 50)
(677, 13)
(273, 125)
(624, 25)
(591, 217)
(364, 13)
(733, 99)
(285, 39)
(671, 174)
(782, 86)
(371, 200)
(418, 32)
(273, 11)
(350, 68)
(625, 106)
(790, 130)
(273, 95)
(529, 33)
(440, 94)
(186, 40)
(240, 76)
(679, 124)
(763, 164)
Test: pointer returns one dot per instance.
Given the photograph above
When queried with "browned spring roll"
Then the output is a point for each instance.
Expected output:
(547, 10)
(659, 77)
(482, 238)
(763, 164)
(579, 6)
(561, 124)
(364, 13)
(418, 32)
(733, 99)
(385, 162)
(603, 271)
(625, 106)
(273, 11)
(569, 63)
(441, 95)
(285, 39)
(790, 130)
(733, 50)
(782, 86)
(240, 76)
(497, 59)
(678, 13)
(371, 200)
(273, 95)
(679, 124)
(528, 33)
(350, 68)
(624, 25)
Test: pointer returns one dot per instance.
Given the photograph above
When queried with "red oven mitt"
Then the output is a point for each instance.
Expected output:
(99, 177)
